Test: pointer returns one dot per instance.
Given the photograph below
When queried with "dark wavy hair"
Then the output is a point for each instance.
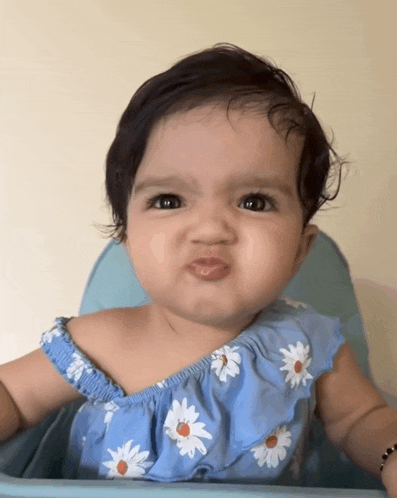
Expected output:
(228, 76)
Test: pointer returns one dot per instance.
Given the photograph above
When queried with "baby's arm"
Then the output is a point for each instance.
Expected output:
(9, 415)
(31, 389)
(356, 417)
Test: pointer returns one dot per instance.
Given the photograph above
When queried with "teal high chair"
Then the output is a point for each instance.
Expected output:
(31, 462)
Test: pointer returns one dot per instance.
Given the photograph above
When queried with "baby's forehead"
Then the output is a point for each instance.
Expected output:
(246, 122)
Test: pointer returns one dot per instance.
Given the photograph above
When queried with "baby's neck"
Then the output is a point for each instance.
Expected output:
(167, 326)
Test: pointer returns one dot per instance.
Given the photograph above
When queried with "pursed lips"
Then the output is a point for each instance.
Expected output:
(209, 262)
(209, 268)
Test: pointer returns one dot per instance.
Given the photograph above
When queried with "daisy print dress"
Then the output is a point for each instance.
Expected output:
(240, 414)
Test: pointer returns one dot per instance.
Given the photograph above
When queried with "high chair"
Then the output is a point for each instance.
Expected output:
(31, 462)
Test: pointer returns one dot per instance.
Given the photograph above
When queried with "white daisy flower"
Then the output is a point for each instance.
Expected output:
(110, 408)
(181, 427)
(296, 362)
(291, 302)
(126, 462)
(161, 383)
(77, 367)
(272, 450)
(225, 362)
(47, 336)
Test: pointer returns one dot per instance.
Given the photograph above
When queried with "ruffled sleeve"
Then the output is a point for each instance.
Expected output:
(292, 347)
(74, 366)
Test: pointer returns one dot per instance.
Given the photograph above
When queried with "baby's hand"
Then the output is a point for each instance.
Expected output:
(389, 476)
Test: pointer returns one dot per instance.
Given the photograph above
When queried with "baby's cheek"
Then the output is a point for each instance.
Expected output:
(268, 259)
(261, 249)
(157, 247)
(148, 245)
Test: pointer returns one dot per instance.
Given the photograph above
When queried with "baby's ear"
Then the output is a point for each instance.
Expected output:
(310, 233)
(308, 238)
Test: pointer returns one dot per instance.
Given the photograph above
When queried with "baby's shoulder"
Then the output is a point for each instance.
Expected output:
(108, 333)
(108, 321)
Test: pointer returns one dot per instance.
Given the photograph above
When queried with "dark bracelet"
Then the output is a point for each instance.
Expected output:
(389, 451)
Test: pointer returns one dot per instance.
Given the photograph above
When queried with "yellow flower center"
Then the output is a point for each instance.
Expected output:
(122, 467)
(271, 441)
(298, 366)
(183, 429)
(224, 359)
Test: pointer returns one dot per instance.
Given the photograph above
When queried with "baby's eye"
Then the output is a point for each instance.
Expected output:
(166, 198)
(264, 201)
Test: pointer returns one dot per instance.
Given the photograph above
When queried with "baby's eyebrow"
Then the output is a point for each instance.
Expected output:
(191, 185)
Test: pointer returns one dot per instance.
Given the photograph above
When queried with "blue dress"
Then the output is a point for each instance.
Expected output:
(240, 414)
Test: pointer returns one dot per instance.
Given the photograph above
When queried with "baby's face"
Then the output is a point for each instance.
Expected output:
(213, 207)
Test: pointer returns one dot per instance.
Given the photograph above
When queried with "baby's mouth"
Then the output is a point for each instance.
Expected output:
(209, 272)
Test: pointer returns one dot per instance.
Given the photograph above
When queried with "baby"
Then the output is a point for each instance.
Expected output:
(216, 170)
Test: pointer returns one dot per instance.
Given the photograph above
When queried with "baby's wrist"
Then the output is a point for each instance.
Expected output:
(389, 471)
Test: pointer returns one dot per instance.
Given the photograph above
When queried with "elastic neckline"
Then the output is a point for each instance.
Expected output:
(195, 368)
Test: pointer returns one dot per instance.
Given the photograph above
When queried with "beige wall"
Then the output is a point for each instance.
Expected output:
(69, 68)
